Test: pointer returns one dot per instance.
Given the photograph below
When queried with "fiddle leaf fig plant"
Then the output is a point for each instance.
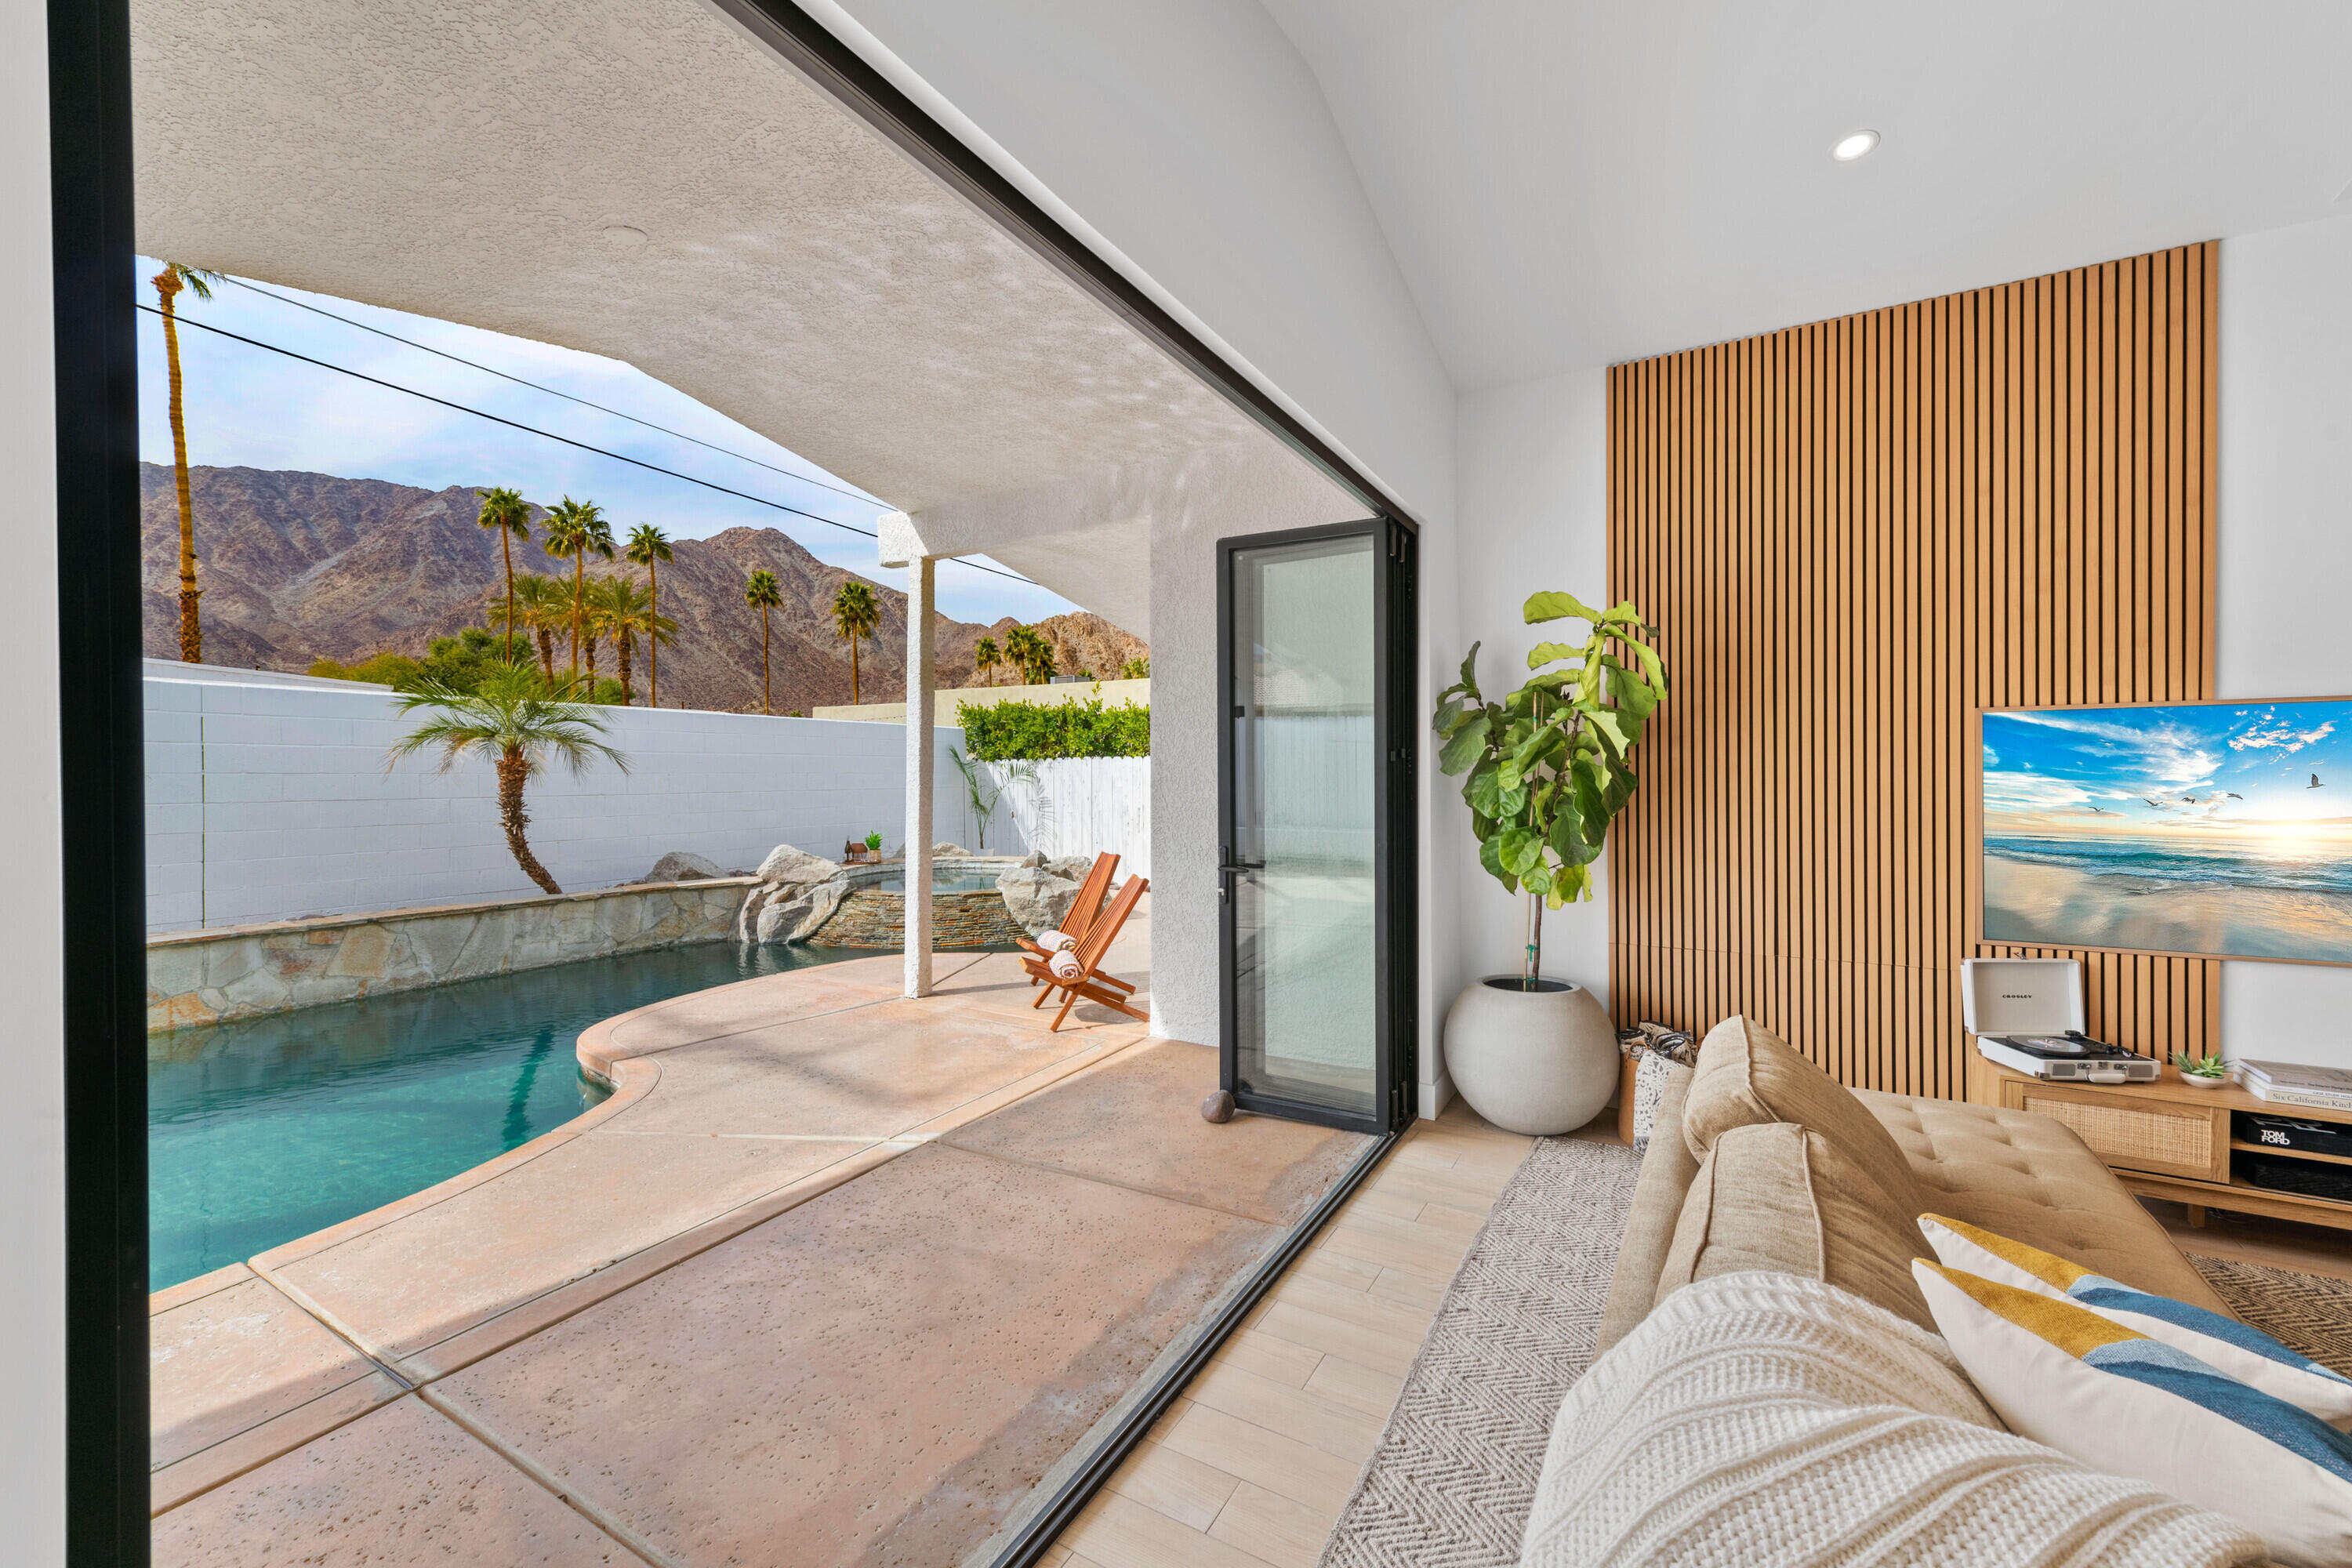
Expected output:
(1548, 764)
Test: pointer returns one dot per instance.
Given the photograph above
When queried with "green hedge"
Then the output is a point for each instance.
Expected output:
(1020, 731)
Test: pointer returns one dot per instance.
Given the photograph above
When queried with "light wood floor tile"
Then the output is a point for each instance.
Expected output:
(1416, 1250)
(1177, 1485)
(1374, 1393)
(1376, 1199)
(1269, 1357)
(1126, 1534)
(1297, 1470)
(1358, 1307)
(1285, 1534)
(1367, 1347)
(1414, 1290)
(1335, 1268)
(1340, 1430)
(1462, 1222)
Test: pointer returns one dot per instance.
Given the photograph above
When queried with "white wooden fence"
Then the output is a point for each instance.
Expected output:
(1075, 806)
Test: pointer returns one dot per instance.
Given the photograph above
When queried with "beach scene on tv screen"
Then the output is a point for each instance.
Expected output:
(2221, 828)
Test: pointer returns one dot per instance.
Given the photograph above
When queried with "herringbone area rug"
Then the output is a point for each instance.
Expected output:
(2305, 1312)
(1450, 1484)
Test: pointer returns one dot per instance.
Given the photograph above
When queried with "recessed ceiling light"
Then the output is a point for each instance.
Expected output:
(1859, 144)
(621, 234)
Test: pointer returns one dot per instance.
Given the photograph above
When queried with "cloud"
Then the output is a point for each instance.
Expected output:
(2031, 791)
(2171, 757)
(2271, 732)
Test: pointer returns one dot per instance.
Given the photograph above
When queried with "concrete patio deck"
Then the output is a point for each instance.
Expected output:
(834, 1277)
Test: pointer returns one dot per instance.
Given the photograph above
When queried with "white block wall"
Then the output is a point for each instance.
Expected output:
(268, 799)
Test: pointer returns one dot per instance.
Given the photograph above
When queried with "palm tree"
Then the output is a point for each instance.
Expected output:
(1030, 654)
(855, 616)
(647, 546)
(514, 718)
(175, 277)
(542, 605)
(620, 610)
(507, 511)
(985, 658)
(578, 529)
(762, 594)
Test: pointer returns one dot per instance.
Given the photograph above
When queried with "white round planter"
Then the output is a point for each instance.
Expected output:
(1537, 1062)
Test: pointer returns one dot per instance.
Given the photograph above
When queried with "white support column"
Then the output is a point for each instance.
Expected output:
(920, 752)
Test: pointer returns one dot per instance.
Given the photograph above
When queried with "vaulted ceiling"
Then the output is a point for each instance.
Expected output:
(1566, 184)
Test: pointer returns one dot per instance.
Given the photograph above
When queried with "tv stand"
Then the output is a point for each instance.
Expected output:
(2168, 1140)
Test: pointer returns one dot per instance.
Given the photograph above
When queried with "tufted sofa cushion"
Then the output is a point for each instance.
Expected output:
(2031, 1179)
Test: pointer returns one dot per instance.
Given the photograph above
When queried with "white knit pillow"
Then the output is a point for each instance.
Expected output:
(1755, 1419)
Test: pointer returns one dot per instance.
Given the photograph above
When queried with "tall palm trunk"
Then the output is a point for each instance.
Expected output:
(588, 643)
(765, 707)
(653, 639)
(192, 631)
(546, 653)
(621, 652)
(506, 550)
(853, 672)
(512, 770)
(579, 604)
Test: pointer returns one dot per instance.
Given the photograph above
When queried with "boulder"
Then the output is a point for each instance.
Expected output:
(678, 866)
(1072, 867)
(1035, 858)
(786, 864)
(1035, 898)
(791, 913)
(949, 849)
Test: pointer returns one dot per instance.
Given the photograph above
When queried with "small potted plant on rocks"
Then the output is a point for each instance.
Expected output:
(1547, 771)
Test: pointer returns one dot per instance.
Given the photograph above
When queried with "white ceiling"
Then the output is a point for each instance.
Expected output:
(799, 274)
(1568, 184)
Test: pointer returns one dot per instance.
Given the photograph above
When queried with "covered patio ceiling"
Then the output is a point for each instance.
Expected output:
(643, 179)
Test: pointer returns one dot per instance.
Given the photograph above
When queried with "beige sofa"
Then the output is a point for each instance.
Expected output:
(2021, 1175)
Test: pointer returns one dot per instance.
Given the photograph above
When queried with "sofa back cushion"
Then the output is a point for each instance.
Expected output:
(1783, 1197)
(1747, 1078)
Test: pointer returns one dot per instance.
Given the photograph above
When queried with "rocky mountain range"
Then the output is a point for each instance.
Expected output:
(297, 566)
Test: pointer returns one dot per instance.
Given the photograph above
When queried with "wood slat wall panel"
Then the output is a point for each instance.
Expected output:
(1854, 535)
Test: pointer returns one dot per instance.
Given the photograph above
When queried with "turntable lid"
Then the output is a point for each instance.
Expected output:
(2021, 995)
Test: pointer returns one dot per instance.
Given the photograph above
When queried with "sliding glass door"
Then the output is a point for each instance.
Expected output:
(1317, 865)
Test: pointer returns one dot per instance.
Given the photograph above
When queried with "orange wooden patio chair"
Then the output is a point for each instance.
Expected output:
(1085, 909)
(1084, 979)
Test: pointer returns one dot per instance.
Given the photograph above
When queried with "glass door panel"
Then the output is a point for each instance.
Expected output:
(1302, 849)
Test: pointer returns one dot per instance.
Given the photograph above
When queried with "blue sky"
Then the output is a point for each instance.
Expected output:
(246, 407)
(2223, 768)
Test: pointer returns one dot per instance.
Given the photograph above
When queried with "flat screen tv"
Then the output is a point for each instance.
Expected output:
(2210, 830)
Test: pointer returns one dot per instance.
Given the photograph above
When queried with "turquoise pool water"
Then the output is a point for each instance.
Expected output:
(265, 1129)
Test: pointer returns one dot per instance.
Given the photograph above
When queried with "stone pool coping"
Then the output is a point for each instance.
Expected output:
(218, 974)
(370, 1372)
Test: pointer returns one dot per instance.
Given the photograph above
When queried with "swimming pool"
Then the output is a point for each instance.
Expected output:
(268, 1129)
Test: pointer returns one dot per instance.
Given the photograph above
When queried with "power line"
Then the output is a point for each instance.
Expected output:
(552, 392)
(551, 435)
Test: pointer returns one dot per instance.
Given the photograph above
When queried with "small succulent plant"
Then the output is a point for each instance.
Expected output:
(874, 841)
(2204, 1067)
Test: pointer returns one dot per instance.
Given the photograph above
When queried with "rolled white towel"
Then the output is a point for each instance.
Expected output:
(1054, 941)
(1064, 964)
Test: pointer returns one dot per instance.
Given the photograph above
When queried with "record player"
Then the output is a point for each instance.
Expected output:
(2027, 1015)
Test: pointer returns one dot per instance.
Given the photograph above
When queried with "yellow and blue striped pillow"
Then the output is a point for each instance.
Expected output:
(2238, 1348)
(2132, 1405)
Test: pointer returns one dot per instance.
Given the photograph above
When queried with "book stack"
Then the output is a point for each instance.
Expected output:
(2293, 1083)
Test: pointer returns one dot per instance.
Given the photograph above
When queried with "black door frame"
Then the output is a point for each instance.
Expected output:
(1395, 835)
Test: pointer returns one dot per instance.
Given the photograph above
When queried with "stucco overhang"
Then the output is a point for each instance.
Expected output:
(797, 272)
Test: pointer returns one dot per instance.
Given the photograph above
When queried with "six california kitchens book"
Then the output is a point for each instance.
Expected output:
(2293, 1083)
